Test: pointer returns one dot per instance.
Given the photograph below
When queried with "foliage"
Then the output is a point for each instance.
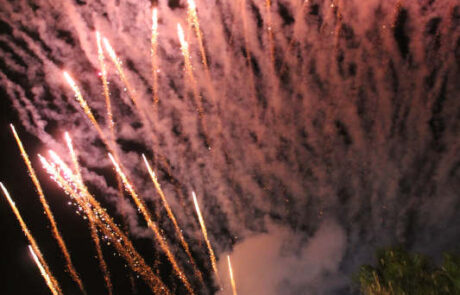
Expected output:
(399, 272)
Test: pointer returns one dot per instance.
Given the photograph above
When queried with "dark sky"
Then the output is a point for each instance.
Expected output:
(345, 140)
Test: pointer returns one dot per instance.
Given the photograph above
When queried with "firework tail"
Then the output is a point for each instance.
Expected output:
(89, 213)
(158, 236)
(196, 94)
(83, 103)
(31, 239)
(106, 225)
(232, 279)
(131, 94)
(54, 229)
(43, 272)
(105, 86)
(212, 257)
(193, 22)
(173, 219)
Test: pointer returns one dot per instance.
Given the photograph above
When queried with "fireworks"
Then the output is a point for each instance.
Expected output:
(84, 105)
(121, 72)
(172, 218)
(54, 229)
(232, 279)
(205, 235)
(105, 85)
(72, 182)
(32, 241)
(105, 223)
(158, 236)
(196, 94)
(43, 272)
(89, 213)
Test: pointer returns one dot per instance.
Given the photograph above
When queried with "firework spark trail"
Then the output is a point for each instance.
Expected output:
(105, 86)
(160, 239)
(153, 52)
(85, 107)
(205, 234)
(191, 76)
(173, 219)
(110, 121)
(193, 22)
(100, 256)
(54, 229)
(31, 239)
(43, 272)
(232, 279)
(131, 93)
(106, 224)
(189, 68)
(91, 217)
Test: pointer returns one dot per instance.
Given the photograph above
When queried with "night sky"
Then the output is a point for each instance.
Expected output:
(321, 131)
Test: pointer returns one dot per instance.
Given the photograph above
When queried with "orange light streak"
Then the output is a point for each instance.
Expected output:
(54, 229)
(91, 217)
(84, 105)
(205, 234)
(106, 224)
(193, 21)
(121, 72)
(196, 93)
(105, 86)
(159, 238)
(31, 239)
(43, 272)
(232, 279)
(172, 218)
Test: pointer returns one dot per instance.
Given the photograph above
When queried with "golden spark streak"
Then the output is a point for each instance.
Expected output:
(106, 224)
(43, 272)
(173, 218)
(232, 279)
(31, 239)
(189, 69)
(154, 49)
(84, 104)
(105, 86)
(191, 76)
(129, 90)
(160, 239)
(108, 104)
(205, 234)
(91, 217)
(54, 229)
(193, 21)
(117, 62)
